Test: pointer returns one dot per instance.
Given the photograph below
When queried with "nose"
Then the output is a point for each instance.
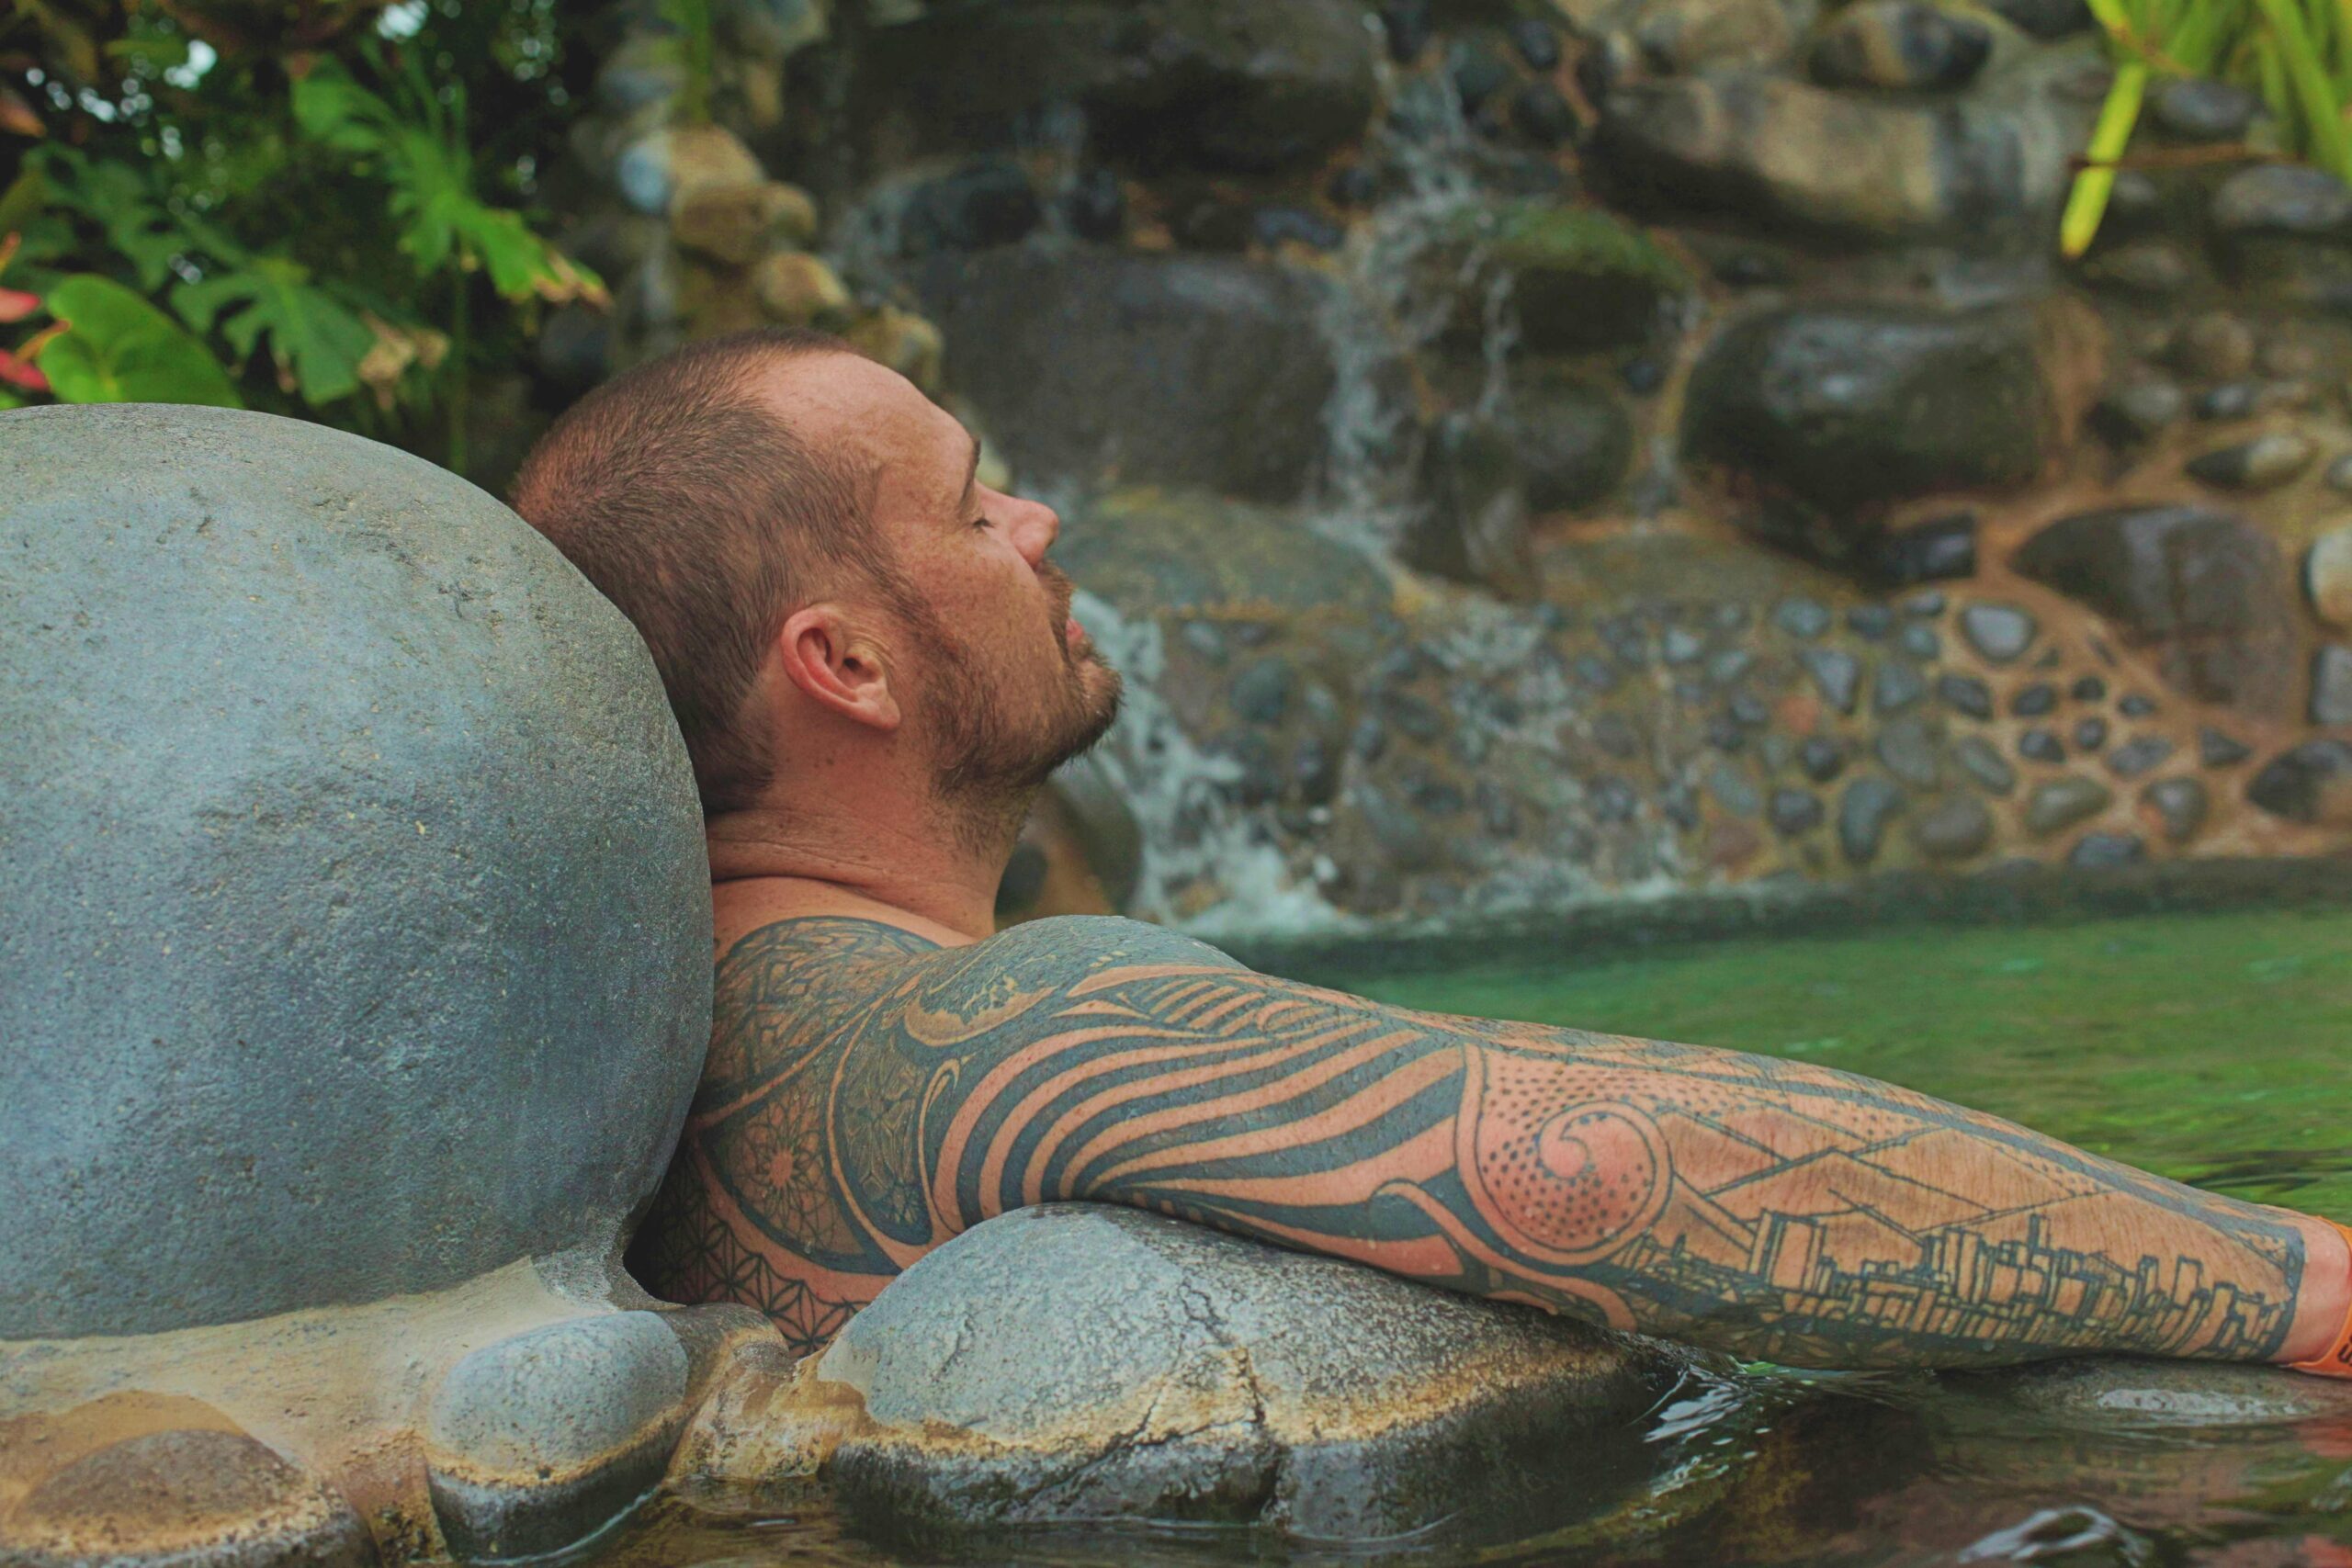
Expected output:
(1035, 530)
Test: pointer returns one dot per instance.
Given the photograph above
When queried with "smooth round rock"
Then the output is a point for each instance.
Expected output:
(200, 1499)
(535, 1442)
(2196, 109)
(1077, 1362)
(1953, 828)
(2283, 198)
(1863, 812)
(2264, 463)
(2179, 804)
(2331, 685)
(2000, 632)
(355, 930)
(2060, 804)
(1899, 44)
(2328, 577)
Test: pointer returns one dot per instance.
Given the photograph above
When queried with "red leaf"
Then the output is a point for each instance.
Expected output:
(16, 304)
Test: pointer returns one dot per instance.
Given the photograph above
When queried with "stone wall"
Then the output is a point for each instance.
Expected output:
(1532, 452)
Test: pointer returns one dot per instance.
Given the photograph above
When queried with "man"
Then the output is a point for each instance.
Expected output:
(873, 661)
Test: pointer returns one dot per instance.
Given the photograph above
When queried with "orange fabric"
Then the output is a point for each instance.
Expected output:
(2338, 1362)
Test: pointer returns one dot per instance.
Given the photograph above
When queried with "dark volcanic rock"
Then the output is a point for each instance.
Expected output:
(2197, 108)
(1071, 354)
(986, 202)
(2180, 804)
(1934, 551)
(2284, 198)
(2207, 592)
(1953, 828)
(1899, 44)
(1787, 155)
(1575, 438)
(2331, 685)
(2264, 463)
(2060, 804)
(1233, 83)
(1139, 1368)
(1159, 553)
(2310, 784)
(1868, 804)
(2105, 852)
(1475, 528)
(399, 829)
(2046, 19)
(1849, 407)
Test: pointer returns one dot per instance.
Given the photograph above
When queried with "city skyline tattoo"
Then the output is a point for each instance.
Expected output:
(870, 1095)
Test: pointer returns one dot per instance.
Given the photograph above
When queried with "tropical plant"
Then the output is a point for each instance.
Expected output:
(181, 140)
(2296, 53)
(414, 143)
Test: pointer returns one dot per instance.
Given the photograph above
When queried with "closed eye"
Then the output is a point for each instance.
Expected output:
(982, 522)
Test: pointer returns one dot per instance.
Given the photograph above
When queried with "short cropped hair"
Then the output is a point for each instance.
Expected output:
(695, 509)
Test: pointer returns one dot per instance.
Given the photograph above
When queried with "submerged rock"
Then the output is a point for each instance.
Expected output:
(1071, 1362)
(2206, 591)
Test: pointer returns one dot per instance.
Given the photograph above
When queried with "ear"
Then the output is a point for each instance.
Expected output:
(837, 665)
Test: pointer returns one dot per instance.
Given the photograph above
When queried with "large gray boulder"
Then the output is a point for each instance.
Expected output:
(355, 938)
(1074, 1362)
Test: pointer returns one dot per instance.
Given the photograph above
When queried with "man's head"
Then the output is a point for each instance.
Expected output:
(802, 538)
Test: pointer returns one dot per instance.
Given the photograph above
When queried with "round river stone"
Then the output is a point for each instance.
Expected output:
(353, 904)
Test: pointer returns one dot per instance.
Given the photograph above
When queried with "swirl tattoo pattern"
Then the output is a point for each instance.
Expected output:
(870, 1095)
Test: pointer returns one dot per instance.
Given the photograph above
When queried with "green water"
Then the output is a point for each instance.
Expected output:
(2212, 1048)
(2215, 1048)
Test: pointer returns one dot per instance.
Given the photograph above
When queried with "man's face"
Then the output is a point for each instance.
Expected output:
(1005, 685)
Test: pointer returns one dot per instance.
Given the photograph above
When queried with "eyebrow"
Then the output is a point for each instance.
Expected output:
(971, 480)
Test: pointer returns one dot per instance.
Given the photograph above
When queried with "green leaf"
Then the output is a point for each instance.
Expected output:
(332, 109)
(117, 197)
(120, 349)
(312, 338)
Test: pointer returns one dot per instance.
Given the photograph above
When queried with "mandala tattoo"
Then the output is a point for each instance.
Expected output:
(870, 1095)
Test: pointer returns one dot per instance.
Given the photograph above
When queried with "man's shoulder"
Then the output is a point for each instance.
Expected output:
(821, 961)
(1074, 945)
(793, 989)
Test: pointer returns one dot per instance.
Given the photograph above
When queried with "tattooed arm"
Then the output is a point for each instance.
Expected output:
(869, 1096)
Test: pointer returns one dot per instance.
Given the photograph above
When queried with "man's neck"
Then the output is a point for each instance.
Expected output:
(764, 867)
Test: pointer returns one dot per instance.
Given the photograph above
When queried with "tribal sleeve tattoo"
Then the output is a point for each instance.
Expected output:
(869, 1094)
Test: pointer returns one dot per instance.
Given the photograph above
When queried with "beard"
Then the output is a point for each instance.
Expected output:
(988, 758)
